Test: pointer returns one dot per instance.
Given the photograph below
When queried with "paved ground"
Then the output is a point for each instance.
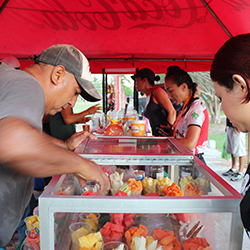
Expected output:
(220, 165)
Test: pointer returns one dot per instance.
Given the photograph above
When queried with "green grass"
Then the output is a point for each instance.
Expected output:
(219, 139)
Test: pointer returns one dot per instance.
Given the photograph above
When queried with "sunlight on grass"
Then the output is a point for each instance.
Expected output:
(219, 139)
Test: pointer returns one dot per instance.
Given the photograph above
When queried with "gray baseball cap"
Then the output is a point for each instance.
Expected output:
(75, 63)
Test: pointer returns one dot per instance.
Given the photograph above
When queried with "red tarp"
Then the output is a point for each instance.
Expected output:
(124, 34)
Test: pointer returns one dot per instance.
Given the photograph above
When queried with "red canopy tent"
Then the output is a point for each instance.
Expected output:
(124, 34)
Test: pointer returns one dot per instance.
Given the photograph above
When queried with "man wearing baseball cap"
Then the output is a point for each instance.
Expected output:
(60, 73)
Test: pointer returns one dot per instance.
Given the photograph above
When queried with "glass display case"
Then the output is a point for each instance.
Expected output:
(216, 210)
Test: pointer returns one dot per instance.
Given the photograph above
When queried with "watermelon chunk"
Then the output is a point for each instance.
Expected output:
(120, 193)
(105, 231)
(152, 194)
(128, 221)
(115, 235)
(117, 228)
(108, 225)
(129, 214)
(184, 217)
(89, 193)
(117, 218)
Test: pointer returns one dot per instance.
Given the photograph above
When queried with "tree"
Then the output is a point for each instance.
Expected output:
(207, 95)
(127, 85)
(97, 82)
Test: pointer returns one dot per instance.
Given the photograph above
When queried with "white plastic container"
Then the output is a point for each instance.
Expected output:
(138, 128)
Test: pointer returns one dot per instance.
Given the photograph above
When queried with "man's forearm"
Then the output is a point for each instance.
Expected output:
(56, 141)
(30, 152)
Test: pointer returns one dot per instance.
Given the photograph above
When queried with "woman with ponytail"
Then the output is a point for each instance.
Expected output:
(191, 125)
(159, 109)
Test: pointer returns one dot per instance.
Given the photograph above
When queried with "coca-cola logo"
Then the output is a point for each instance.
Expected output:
(110, 14)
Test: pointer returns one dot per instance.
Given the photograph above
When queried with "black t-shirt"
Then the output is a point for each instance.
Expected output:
(59, 129)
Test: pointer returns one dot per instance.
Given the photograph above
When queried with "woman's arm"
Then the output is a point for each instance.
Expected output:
(161, 97)
(70, 117)
(192, 136)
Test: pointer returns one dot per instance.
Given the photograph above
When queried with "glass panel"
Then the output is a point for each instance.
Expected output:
(130, 146)
(145, 180)
(73, 231)
(211, 213)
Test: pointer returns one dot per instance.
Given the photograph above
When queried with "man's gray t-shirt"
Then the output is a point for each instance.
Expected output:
(21, 96)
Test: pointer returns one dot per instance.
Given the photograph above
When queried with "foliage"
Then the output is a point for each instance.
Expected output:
(128, 91)
(127, 87)
(98, 84)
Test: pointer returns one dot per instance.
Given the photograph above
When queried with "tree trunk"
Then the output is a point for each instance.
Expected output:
(207, 95)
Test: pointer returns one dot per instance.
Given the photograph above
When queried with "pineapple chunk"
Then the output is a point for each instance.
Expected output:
(98, 245)
(88, 240)
(149, 240)
(98, 236)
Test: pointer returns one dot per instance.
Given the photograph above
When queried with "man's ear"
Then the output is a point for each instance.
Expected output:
(57, 74)
(239, 80)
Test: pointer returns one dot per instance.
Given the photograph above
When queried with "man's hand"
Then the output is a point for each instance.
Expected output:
(77, 138)
(93, 172)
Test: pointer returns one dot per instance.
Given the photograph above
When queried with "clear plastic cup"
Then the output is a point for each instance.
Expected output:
(107, 239)
(36, 211)
(78, 229)
(32, 240)
(90, 218)
(32, 221)
(91, 186)
(113, 245)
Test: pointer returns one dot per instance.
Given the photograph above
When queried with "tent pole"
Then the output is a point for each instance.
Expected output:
(3, 5)
(104, 92)
(217, 19)
(136, 95)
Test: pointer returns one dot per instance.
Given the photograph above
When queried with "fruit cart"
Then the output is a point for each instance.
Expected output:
(217, 209)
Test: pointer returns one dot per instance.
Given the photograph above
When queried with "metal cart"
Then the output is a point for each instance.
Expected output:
(218, 210)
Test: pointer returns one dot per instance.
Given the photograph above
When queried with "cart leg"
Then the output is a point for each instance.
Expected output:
(46, 228)
(236, 237)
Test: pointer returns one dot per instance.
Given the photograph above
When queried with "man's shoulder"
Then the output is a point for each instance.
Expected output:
(17, 78)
